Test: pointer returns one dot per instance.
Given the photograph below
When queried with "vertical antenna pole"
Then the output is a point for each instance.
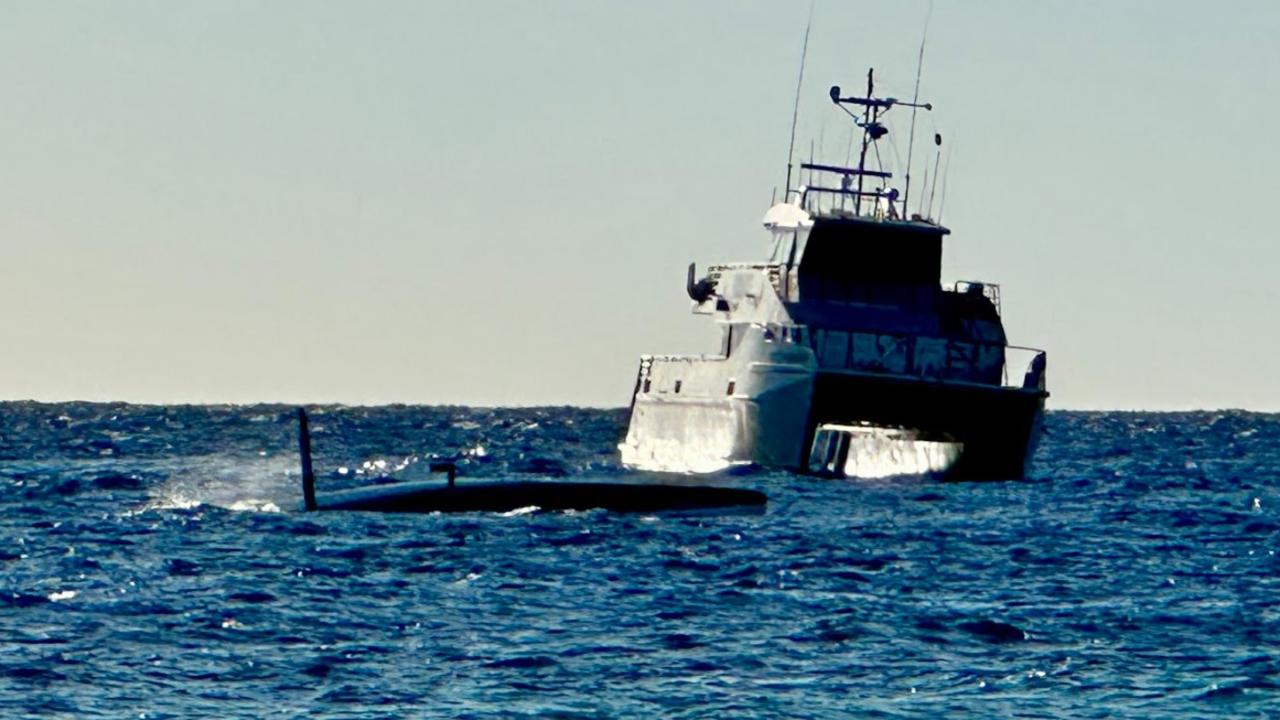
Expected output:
(866, 122)
(937, 140)
(921, 211)
(945, 172)
(915, 100)
(809, 180)
(795, 111)
(848, 157)
(304, 450)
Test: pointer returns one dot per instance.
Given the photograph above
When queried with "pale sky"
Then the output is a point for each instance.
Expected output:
(494, 202)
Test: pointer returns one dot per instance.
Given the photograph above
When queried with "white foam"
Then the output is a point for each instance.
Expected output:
(234, 483)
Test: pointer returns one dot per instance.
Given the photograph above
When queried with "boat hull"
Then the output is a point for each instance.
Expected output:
(760, 418)
(994, 429)
(429, 497)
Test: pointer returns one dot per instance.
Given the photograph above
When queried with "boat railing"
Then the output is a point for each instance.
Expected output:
(929, 358)
(990, 291)
(895, 355)
(818, 200)
(704, 357)
(645, 374)
(776, 272)
(1031, 363)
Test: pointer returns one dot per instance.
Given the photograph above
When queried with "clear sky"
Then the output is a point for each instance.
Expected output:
(494, 202)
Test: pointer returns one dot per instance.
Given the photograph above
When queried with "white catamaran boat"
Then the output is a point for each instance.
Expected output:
(842, 353)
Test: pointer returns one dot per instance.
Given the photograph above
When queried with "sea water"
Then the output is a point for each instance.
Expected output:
(154, 563)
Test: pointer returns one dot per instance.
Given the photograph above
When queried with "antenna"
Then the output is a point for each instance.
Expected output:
(945, 172)
(867, 120)
(795, 112)
(822, 137)
(809, 180)
(915, 98)
(937, 140)
(920, 208)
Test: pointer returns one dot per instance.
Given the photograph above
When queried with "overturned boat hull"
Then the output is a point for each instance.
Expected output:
(427, 497)
(506, 496)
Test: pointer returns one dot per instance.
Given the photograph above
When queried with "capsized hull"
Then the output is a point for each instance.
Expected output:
(506, 496)
(427, 497)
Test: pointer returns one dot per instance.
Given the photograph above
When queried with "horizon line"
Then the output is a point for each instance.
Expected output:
(534, 405)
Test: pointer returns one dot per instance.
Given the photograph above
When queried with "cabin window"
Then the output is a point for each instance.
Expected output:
(834, 349)
(729, 390)
(678, 384)
(646, 385)
(784, 244)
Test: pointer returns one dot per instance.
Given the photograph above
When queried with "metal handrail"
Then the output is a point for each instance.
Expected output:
(951, 344)
(990, 291)
(969, 352)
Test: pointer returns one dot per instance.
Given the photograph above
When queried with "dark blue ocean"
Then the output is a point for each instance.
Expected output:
(154, 564)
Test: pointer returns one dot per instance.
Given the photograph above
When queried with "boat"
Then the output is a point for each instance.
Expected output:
(504, 496)
(843, 353)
